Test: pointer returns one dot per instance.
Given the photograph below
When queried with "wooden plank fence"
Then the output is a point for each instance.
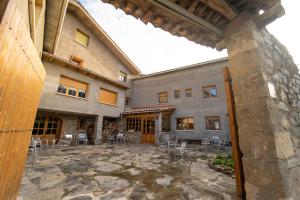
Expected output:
(21, 80)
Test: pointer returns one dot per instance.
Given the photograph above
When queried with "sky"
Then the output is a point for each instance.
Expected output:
(153, 49)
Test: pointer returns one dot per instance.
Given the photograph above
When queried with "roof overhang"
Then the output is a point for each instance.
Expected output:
(66, 63)
(150, 109)
(201, 21)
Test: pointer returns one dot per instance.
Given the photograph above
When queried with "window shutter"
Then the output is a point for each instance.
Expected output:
(82, 38)
(73, 83)
(108, 97)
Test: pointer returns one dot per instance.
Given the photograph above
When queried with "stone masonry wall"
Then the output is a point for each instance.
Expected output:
(266, 86)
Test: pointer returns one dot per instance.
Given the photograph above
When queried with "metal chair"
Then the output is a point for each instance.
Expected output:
(82, 138)
(206, 145)
(121, 138)
(66, 141)
(172, 144)
(182, 149)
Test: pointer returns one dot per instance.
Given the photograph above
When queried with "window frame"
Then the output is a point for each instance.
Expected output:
(213, 118)
(134, 123)
(166, 95)
(127, 101)
(191, 93)
(123, 77)
(67, 88)
(177, 92)
(83, 33)
(182, 118)
(208, 88)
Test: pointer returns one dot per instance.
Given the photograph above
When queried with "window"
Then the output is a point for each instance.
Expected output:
(72, 92)
(82, 38)
(45, 125)
(188, 92)
(134, 123)
(81, 94)
(108, 97)
(71, 87)
(209, 92)
(213, 123)
(127, 101)
(123, 77)
(177, 94)
(62, 89)
(81, 123)
(186, 123)
(76, 60)
(166, 123)
(163, 97)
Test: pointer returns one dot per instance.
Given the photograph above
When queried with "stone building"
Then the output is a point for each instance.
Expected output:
(189, 102)
(90, 81)
(86, 81)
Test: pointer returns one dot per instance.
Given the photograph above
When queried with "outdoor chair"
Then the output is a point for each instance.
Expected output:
(82, 138)
(182, 149)
(66, 141)
(121, 138)
(221, 146)
(172, 144)
(206, 145)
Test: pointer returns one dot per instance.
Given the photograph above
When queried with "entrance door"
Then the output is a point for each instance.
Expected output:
(148, 130)
(46, 126)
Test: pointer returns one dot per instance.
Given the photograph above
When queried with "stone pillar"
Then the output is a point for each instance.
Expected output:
(158, 127)
(98, 129)
(266, 86)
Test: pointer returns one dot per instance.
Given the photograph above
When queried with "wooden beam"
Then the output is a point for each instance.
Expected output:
(236, 152)
(183, 13)
(194, 5)
(270, 15)
(222, 7)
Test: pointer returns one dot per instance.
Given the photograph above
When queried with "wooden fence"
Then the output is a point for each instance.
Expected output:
(21, 79)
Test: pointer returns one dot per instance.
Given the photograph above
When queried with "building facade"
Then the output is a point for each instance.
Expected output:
(189, 102)
(86, 80)
(92, 87)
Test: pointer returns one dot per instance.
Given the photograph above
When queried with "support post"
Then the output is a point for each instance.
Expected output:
(236, 152)
(266, 87)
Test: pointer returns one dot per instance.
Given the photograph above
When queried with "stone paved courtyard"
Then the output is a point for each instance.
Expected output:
(134, 172)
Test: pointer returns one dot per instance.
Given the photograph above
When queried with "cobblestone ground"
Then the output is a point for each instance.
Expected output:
(134, 172)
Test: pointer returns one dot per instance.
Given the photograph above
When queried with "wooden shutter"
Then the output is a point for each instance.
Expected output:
(82, 38)
(108, 97)
(73, 83)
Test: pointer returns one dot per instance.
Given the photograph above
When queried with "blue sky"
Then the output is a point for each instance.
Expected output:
(153, 49)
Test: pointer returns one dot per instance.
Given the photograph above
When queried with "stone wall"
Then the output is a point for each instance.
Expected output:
(266, 86)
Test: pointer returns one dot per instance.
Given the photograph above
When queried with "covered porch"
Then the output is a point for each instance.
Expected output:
(148, 122)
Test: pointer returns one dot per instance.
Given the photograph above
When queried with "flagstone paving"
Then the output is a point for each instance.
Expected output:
(133, 172)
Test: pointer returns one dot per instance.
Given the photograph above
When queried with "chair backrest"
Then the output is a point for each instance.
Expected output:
(68, 136)
(120, 135)
(205, 141)
(82, 136)
(183, 144)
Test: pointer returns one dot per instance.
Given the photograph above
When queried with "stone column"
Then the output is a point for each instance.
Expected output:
(98, 129)
(158, 127)
(266, 86)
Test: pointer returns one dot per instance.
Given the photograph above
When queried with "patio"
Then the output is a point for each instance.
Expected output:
(122, 172)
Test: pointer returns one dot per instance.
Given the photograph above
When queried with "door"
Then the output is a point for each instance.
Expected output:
(21, 80)
(148, 130)
(47, 127)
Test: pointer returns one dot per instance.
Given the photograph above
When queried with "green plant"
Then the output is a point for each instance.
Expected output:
(223, 161)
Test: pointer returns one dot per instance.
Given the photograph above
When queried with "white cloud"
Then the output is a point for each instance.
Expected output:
(153, 49)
